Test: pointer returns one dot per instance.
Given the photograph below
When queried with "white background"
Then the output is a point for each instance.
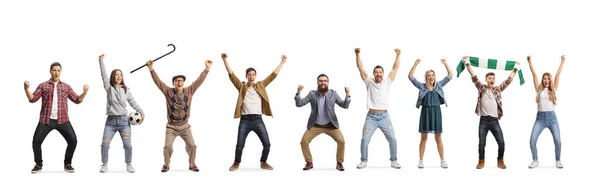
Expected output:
(318, 37)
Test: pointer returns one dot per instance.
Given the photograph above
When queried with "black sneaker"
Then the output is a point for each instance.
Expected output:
(69, 168)
(37, 168)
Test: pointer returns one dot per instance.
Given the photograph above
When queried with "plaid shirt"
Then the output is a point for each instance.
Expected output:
(46, 91)
(497, 90)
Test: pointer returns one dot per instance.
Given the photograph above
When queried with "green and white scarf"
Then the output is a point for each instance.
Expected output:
(490, 64)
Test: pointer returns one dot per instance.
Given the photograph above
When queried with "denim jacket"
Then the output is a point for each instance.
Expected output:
(423, 89)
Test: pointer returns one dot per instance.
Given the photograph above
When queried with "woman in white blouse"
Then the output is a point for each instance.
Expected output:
(546, 117)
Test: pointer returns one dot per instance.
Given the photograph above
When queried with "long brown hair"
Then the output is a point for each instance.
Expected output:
(112, 78)
(551, 90)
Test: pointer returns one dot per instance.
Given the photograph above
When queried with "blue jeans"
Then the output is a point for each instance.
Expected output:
(113, 124)
(250, 123)
(545, 119)
(372, 122)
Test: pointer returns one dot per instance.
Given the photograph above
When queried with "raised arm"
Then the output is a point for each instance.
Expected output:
(507, 82)
(359, 64)
(196, 84)
(392, 74)
(474, 78)
(161, 85)
(275, 72)
(562, 61)
(411, 76)
(36, 95)
(105, 78)
(447, 79)
(236, 82)
(301, 101)
(345, 103)
(536, 84)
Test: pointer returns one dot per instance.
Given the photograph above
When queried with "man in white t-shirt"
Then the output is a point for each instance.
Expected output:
(378, 89)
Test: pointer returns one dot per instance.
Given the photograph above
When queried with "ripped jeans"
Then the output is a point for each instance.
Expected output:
(113, 124)
(374, 121)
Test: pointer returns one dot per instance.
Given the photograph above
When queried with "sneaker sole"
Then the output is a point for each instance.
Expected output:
(70, 171)
(34, 172)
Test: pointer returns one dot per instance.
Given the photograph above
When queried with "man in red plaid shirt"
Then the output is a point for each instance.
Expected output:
(54, 114)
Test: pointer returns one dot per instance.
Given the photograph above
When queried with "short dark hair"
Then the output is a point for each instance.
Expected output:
(55, 64)
(322, 75)
(378, 66)
(490, 74)
(250, 69)
(178, 76)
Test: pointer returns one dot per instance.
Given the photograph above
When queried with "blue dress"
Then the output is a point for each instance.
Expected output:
(431, 113)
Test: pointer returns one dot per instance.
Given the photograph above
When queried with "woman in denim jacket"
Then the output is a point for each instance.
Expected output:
(546, 118)
(431, 96)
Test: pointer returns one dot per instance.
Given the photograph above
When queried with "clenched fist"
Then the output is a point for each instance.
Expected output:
(347, 90)
(283, 57)
(357, 50)
(26, 84)
(85, 88)
(208, 64)
(562, 58)
(223, 56)
(397, 51)
(417, 61)
(101, 57)
(300, 87)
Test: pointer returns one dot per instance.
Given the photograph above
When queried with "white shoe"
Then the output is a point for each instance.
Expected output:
(395, 164)
(534, 164)
(130, 168)
(421, 164)
(443, 164)
(559, 165)
(361, 165)
(103, 168)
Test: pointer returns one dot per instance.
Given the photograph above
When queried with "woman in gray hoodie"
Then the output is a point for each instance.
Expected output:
(118, 95)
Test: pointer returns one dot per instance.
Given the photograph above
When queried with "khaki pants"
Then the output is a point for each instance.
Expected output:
(185, 132)
(334, 133)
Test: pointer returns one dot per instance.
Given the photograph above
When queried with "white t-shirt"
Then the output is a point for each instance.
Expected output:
(545, 104)
(252, 103)
(378, 93)
(54, 110)
(488, 104)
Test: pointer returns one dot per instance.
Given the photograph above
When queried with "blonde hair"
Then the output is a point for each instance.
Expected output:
(551, 93)
(434, 79)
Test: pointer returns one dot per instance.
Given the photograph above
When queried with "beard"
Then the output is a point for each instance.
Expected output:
(323, 89)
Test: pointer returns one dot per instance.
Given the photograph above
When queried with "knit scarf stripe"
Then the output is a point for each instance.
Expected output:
(493, 64)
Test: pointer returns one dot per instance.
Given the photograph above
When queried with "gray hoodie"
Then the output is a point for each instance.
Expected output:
(116, 101)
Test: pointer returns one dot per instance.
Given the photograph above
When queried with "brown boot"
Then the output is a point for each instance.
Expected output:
(235, 166)
(481, 164)
(265, 165)
(501, 164)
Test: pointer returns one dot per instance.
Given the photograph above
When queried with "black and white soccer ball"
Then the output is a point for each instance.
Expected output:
(135, 118)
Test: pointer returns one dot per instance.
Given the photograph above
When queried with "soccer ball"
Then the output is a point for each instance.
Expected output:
(135, 118)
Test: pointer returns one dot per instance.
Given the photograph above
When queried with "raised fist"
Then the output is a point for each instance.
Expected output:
(397, 51)
(224, 55)
(86, 87)
(26, 84)
(357, 50)
(208, 64)
(347, 89)
(283, 58)
(101, 57)
(300, 87)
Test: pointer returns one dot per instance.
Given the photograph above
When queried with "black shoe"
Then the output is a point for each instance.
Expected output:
(37, 168)
(69, 168)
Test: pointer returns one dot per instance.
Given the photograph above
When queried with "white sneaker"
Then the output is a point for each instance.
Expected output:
(559, 165)
(443, 164)
(421, 164)
(534, 164)
(103, 168)
(395, 164)
(361, 165)
(130, 168)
